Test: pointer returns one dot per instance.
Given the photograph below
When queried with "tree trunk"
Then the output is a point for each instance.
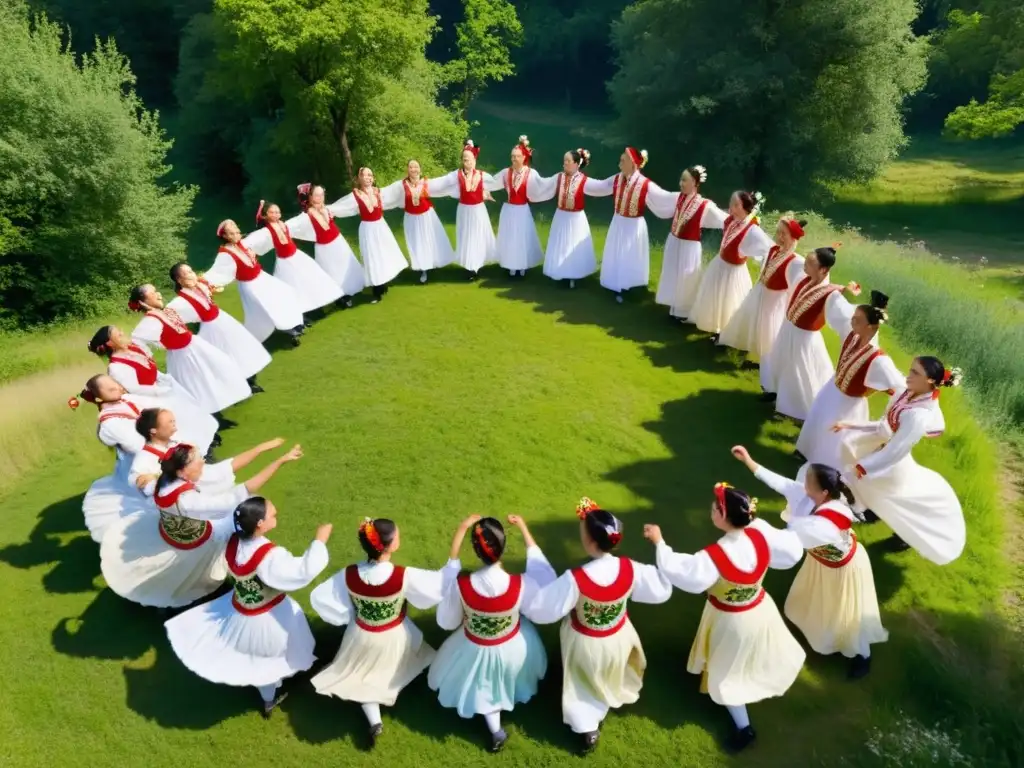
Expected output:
(339, 129)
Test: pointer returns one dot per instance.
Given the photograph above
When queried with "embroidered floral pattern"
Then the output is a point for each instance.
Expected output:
(567, 186)
(852, 362)
(685, 209)
(183, 530)
(829, 552)
(250, 591)
(740, 595)
(600, 615)
(489, 626)
(377, 611)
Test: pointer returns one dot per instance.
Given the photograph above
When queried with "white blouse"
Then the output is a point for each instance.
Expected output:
(663, 206)
(449, 183)
(811, 529)
(198, 505)
(216, 476)
(923, 418)
(280, 569)
(538, 188)
(121, 433)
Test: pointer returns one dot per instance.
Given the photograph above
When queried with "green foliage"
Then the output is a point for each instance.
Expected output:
(1000, 115)
(781, 94)
(83, 214)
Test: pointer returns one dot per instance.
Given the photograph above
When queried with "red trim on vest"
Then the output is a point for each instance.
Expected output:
(483, 604)
(131, 406)
(492, 641)
(617, 590)
(467, 197)
(424, 204)
(359, 587)
(727, 608)
(574, 622)
(283, 248)
(842, 522)
(146, 374)
(267, 606)
(730, 572)
(231, 553)
(155, 451)
(207, 533)
(324, 236)
(168, 501)
(206, 314)
(171, 338)
(365, 214)
(517, 196)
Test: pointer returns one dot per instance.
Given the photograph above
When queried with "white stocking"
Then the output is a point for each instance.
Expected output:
(739, 716)
(267, 691)
(372, 712)
(493, 720)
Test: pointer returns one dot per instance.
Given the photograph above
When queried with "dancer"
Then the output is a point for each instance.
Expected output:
(268, 303)
(917, 503)
(255, 635)
(798, 365)
(681, 259)
(497, 659)
(332, 252)
(726, 280)
(626, 262)
(425, 237)
(602, 657)
(383, 650)
(862, 370)
(207, 373)
(112, 497)
(382, 258)
(195, 304)
(177, 558)
(756, 323)
(832, 600)
(743, 651)
(312, 285)
(131, 365)
(518, 244)
(475, 246)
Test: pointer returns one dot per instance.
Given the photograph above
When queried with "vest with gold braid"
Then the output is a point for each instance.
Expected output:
(736, 590)
(417, 197)
(491, 620)
(176, 529)
(853, 365)
(601, 611)
(251, 596)
(687, 218)
(517, 194)
(732, 235)
(377, 607)
(630, 195)
(139, 360)
(363, 202)
(247, 264)
(570, 191)
(773, 275)
(806, 308)
(833, 555)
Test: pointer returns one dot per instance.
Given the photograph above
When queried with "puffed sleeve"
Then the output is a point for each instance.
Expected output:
(393, 195)
(795, 271)
(793, 491)
(301, 228)
(649, 584)
(756, 244)
(331, 600)
(815, 531)
(786, 549)
(259, 241)
(539, 574)
(553, 602)
(444, 186)
(884, 376)
(219, 474)
(839, 314)
(144, 463)
(282, 570)
(713, 217)
(690, 573)
(425, 589)
(147, 331)
(449, 612)
(222, 272)
(541, 189)
(344, 207)
(599, 187)
(121, 432)
(494, 183)
(913, 426)
(212, 506)
(661, 202)
(187, 311)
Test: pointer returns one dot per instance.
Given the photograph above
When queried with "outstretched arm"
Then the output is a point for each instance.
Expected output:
(246, 458)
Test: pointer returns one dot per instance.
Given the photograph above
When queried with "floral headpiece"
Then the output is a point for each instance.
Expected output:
(368, 530)
(134, 305)
(952, 377)
(758, 204)
(259, 212)
(583, 153)
(478, 537)
(585, 507)
(223, 224)
(524, 147)
(639, 158)
(702, 173)
(795, 230)
(471, 147)
(304, 191)
(722, 487)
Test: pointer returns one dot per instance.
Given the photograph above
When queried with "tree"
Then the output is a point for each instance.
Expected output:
(781, 94)
(83, 213)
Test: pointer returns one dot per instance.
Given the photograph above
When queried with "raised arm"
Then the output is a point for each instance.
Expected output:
(814, 531)
(541, 189)
(184, 309)
(791, 489)
(425, 589)
(393, 195)
(650, 585)
(260, 479)
(460, 534)
(661, 202)
(756, 244)
(222, 272)
(553, 602)
(212, 506)
(539, 572)
(147, 331)
(913, 427)
(449, 611)
(244, 459)
(444, 186)
(839, 314)
(884, 376)
(690, 573)
(301, 228)
(495, 183)
(785, 546)
(284, 571)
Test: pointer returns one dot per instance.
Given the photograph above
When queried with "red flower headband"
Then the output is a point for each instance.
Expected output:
(370, 532)
(585, 507)
(220, 227)
(524, 147)
(478, 536)
(639, 158)
(134, 306)
(471, 147)
(721, 488)
(795, 230)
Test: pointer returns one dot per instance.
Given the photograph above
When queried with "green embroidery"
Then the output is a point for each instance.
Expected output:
(376, 611)
(741, 594)
(828, 552)
(183, 530)
(601, 614)
(249, 591)
(489, 626)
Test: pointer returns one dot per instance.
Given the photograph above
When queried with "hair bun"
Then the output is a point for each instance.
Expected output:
(879, 300)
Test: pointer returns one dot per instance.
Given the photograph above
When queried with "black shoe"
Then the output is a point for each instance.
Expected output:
(713, 338)
(225, 423)
(306, 324)
(375, 732)
(253, 386)
(895, 544)
(769, 397)
(217, 441)
(682, 319)
(472, 276)
(298, 330)
(741, 739)
(590, 742)
(296, 339)
(870, 517)
(498, 740)
(270, 706)
(859, 667)
(750, 365)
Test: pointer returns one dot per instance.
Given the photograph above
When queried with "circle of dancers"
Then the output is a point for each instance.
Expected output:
(176, 526)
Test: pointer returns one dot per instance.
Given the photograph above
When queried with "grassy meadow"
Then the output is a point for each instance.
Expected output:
(501, 397)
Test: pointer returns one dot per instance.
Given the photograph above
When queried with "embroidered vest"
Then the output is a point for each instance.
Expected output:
(324, 235)
(174, 334)
(601, 611)
(380, 607)
(831, 555)
(284, 247)
(852, 368)
(773, 274)
(806, 308)
(176, 529)
(122, 409)
(903, 404)
(687, 218)
(736, 590)
(517, 195)
(732, 236)
(247, 265)
(365, 214)
(417, 199)
(570, 192)
(251, 596)
(140, 361)
(471, 190)
(491, 620)
(630, 196)
(202, 302)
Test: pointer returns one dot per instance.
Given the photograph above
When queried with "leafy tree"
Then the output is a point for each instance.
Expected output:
(83, 214)
(781, 94)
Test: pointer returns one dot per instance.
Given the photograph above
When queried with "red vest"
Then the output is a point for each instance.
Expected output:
(467, 196)
(773, 274)
(122, 409)
(417, 204)
(324, 235)
(732, 236)
(202, 302)
(247, 265)
(502, 604)
(365, 214)
(240, 571)
(283, 248)
(517, 196)
(687, 218)
(731, 573)
(630, 196)
(393, 586)
(806, 308)
(140, 361)
(165, 502)
(570, 192)
(843, 523)
(174, 334)
(853, 365)
(614, 592)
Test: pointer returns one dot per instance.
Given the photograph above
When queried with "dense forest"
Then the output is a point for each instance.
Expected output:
(256, 93)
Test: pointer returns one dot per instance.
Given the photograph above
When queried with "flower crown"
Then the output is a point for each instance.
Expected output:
(758, 203)
(722, 487)
(478, 537)
(368, 530)
(702, 173)
(585, 507)
(953, 377)
(524, 141)
(583, 153)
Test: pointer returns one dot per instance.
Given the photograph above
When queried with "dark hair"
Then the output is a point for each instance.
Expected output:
(91, 392)
(831, 482)
(936, 371)
(604, 528)
(875, 311)
(266, 207)
(147, 421)
(174, 461)
(137, 296)
(248, 515)
(488, 536)
(580, 157)
(385, 531)
(739, 510)
(175, 271)
(99, 345)
(746, 199)
(826, 257)
(695, 175)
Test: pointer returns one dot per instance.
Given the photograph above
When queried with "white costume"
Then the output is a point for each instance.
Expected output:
(425, 237)
(570, 253)
(382, 258)
(626, 262)
(313, 287)
(475, 246)
(518, 244)
(681, 259)
(332, 252)
(217, 477)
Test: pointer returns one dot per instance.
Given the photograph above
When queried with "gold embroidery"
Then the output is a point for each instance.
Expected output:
(133, 356)
(627, 196)
(183, 530)
(806, 299)
(171, 319)
(323, 218)
(515, 178)
(733, 229)
(851, 362)
(472, 181)
(774, 265)
(685, 212)
(415, 192)
(567, 189)
(200, 295)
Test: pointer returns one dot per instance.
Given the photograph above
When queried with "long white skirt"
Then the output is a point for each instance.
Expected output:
(756, 324)
(626, 262)
(475, 245)
(234, 340)
(224, 646)
(817, 442)
(687, 254)
(208, 374)
(518, 243)
(111, 499)
(338, 261)
(427, 241)
(570, 254)
(382, 258)
(269, 304)
(917, 503)
(723, 286)
(796, 370)
(140, 566)
(313, 287)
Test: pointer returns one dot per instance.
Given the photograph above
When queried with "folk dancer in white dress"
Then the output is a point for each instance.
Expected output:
(172, 559)
(204, 371)
(268, 302)
(917, 503)
(313, 286)
(756, 323)
(518, 244)
(832, 600)
(195, 304)
(425, 237)
(475, 246)
(332, 252)
(798, 365)
(495, 659)
(626, 262)
(681, 262)
(862, 370)
(725, 281)
(255, 635)
(113, 497)
(602, 657)
(131, 365)
(382, 258)
(382, 650)
(743, 650)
